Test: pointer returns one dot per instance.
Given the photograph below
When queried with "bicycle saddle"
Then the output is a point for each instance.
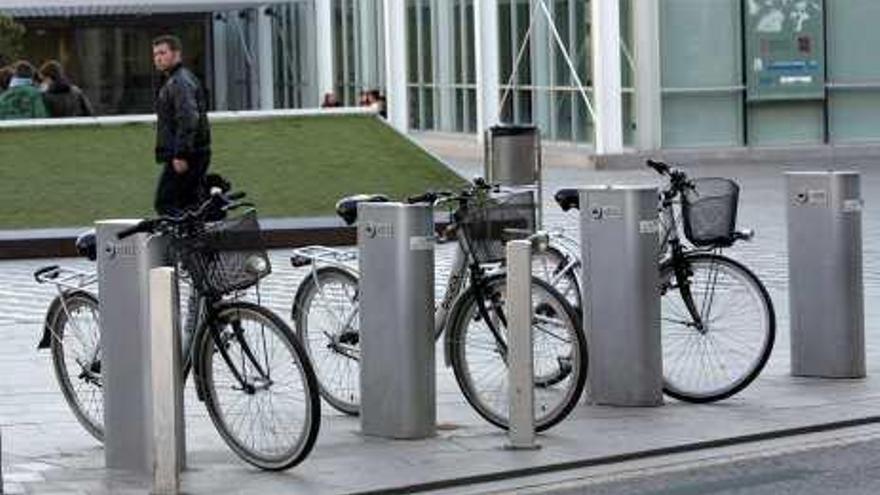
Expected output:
(347, 207)
(86, 245)
(568, 199)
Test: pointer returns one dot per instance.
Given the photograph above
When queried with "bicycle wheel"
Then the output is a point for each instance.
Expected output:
(325, 312)
(739, 326)
(557, 268)
(479, 359)
(270, 418)
(74, 326)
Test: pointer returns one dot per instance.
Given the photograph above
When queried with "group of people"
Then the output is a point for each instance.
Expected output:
(28, 93)
(372, 98)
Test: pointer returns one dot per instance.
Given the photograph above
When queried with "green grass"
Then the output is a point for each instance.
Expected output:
(288, 166)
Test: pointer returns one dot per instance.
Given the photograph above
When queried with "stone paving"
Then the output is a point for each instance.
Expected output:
(45, 450)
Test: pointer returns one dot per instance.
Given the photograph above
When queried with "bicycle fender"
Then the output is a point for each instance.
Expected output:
(51, 315)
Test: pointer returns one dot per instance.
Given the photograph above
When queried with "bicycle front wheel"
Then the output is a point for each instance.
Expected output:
(258, 386)
(722, 352)
(75, 330)
(325, 312)
(479, 353)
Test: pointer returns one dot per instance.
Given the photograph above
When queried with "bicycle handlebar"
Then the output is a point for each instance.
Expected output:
(659, 167)
(218, 199)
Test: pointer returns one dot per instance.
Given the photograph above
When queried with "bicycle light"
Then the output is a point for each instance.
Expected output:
(256, 264)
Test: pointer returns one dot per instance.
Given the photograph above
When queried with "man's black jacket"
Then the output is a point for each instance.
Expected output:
(181, 108)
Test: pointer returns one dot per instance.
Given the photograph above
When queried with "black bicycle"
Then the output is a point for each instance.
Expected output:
(251, 372)
(471, 314)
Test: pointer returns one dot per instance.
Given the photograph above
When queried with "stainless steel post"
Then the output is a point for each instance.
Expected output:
(825, 274)
(398, 383)
(168, 425)
(520, 360)
(619, 239)
(123, 278)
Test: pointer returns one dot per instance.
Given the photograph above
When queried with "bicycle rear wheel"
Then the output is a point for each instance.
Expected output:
(479, 359)
(719, 359)
(325, 312)
(270, 417)
(75, 332)
(557, 268)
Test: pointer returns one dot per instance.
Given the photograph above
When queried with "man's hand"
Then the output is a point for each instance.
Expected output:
(180, 165)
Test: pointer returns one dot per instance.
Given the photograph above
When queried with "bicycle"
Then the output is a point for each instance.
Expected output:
(73, 314)
(704, 359)
(239, 352)
(325, 311)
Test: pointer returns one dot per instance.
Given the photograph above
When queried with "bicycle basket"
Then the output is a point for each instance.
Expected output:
(226, 256)
(488, 223)
(709, 211)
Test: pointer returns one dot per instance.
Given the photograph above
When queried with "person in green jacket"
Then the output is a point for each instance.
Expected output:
(23, 99)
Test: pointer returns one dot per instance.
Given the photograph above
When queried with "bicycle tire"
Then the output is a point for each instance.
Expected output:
(59, 320)
(493, 405)
(226, 316)
(332, 343)
(682, 339)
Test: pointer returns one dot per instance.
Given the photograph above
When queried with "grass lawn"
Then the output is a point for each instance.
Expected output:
(288, 166)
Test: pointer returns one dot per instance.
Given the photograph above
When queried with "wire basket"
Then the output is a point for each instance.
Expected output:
(226, 256)
(709, 212)
(489, 222)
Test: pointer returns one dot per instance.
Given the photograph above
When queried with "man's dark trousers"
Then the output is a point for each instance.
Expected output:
(177, 192)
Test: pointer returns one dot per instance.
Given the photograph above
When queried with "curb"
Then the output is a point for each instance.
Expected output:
(618, 458)
(277, 232)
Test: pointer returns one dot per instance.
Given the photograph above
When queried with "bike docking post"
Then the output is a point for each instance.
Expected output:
(168, 423)
(825, 274)
(620, 244)
(124, 286)
(398, 375)
(521, 394)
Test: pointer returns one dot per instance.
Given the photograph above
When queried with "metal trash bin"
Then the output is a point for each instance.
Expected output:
(398, 376)
(123, 281)
(512, 157)
(620, 249)
(825, 274)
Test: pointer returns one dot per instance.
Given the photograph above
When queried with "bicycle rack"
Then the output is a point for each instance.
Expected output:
(620, 249)
(398, 383)
(825, 274)
(123, 279)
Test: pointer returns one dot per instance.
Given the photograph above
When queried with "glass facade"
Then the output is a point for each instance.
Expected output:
(358, 28)
(441, 74)
(110, 58)
(703, 44)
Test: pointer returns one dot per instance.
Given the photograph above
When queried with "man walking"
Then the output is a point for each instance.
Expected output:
(183, 137)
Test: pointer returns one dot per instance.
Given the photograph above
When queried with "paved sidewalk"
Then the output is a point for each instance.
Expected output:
(45, 451)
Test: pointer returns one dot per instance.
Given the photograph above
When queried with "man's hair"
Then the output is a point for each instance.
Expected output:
(172, 41)
(24, 69)
(53, 70)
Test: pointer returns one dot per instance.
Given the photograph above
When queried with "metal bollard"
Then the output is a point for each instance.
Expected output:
(123, 278)
(398, 382)
(518, 308)
(168, 423)
(825, 274)
(619, 239)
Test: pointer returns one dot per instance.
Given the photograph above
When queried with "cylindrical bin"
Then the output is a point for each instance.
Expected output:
(825, 274)
(123, 287)
(398, 389)
(512, 157)
(619, 240)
